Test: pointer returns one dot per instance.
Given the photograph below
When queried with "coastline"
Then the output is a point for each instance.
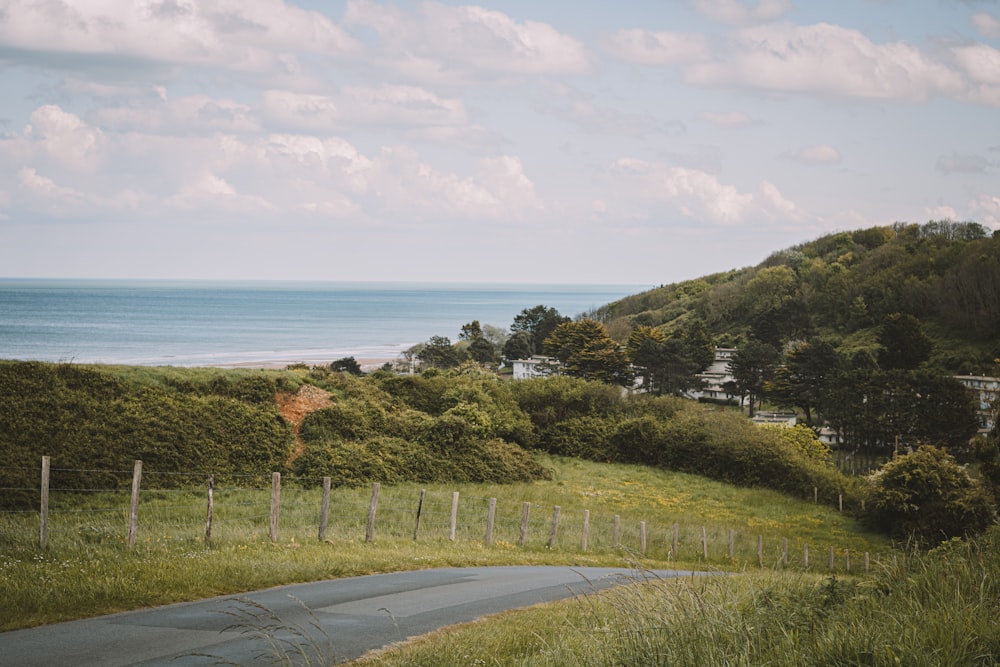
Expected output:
(367, 364)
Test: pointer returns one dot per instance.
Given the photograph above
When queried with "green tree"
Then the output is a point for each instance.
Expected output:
(439, 353)
(751, 367)
(587, 351)
(346, 365)
(928, 497)
(903, 342)
(539, 322)
(518, 346)
(471, 331)
(482, 350)
(803, 381)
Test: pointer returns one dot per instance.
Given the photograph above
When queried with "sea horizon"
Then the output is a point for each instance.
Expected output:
(259, 323)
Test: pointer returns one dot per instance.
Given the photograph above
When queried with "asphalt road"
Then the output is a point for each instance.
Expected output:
(317, 623)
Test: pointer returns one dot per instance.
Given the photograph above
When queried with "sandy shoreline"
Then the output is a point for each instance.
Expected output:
(367, 364)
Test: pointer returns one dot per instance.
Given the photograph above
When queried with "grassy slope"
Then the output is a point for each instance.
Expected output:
(87, 571)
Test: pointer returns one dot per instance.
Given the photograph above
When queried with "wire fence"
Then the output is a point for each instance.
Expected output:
(84, 508)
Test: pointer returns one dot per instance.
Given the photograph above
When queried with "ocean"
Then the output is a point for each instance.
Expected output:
(228, 323)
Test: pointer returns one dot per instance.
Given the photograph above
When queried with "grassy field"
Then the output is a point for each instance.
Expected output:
(918, 610)
(88, 570)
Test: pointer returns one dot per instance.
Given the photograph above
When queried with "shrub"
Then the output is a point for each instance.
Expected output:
(927, 497)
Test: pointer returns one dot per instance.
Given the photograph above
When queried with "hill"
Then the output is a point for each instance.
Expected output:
(841, 288)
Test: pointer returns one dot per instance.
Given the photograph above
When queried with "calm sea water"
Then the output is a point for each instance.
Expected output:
(193, 323)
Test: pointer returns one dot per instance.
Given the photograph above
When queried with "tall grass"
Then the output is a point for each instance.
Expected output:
(88, 569)
(919, 610)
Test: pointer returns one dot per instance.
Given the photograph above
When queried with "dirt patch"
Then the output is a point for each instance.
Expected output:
(295, 407)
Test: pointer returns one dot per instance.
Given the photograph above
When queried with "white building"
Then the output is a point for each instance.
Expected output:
(715, 378)
(987, 390)
(537, 366)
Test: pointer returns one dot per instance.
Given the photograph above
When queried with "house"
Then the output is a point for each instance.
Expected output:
(538, 366)
(715, 377)
(987, 391)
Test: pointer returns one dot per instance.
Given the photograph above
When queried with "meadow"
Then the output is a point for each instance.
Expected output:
(88, 568)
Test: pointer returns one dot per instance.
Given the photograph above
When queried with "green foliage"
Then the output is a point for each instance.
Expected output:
(88, 418)
(927, 497)
(587, 351)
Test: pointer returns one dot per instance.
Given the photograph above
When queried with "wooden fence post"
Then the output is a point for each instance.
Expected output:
(586, 530)
(815, 494)
(840, 502)
(642, 537)
(831, 558)
(324, 509)
(275, 504)
(673, 543)
(490, 518)
(370, 529)
(867, 562)
(805, 556)
(210, 510)
(525, 512)
(454, 516)
(704, 544)
(133, 514)
(784, 552)
(847, 559)
(43, 530)
(555, 527)
(760, 550)
(732, 544)
(420, 508)
(617, 535)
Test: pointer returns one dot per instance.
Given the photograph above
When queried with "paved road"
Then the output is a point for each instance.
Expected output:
(316, 623)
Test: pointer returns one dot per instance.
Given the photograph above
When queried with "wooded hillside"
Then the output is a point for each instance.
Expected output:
(841, 288)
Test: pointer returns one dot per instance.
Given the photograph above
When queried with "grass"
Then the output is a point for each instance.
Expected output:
(918, 610)
(88, 570)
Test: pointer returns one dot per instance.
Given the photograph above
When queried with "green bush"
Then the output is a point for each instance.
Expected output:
(928, 498)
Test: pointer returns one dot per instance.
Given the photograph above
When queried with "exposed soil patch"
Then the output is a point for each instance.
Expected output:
(295, 407)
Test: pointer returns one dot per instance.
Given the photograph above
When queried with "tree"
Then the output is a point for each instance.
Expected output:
(751, 367)
(903, 343)
(439, 353)
(587, 351)
(518, 346)
(346, 365)
(643, 349)
(482, 350)
(928, 497)
(471, 331)
(539, 322)
(803, 381)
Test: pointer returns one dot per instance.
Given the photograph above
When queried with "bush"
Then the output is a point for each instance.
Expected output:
(928, 498)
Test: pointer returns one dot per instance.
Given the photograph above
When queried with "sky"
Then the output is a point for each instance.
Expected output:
(638, 142)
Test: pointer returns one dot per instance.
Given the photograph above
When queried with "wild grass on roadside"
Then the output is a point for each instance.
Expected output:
(922, 610)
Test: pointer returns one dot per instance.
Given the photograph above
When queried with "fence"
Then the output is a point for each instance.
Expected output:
(309, 509)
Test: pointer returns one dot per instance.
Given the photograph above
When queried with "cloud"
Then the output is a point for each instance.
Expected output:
(986, 208)
(987, 25)
(445, 44)
(253, 37)
(735, 11)
(729, 119)
(583, 110)
(823, 59)
(643, 47)
(821, 154)
(962, 164)
(192, 114)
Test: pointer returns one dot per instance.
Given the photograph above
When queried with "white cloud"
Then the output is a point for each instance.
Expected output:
(735, 11)
(987, 209)
(230, 34)
(941, 213)
(824, 59)
(643, 47)
(980, 62)
(775, 203)
(452, 44)
(987, 25)
(193, 114)
(729, 119)
(65, 137)
(821, 154)
(693, 193)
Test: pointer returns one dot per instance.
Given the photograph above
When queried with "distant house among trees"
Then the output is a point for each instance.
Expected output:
(987, 393)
